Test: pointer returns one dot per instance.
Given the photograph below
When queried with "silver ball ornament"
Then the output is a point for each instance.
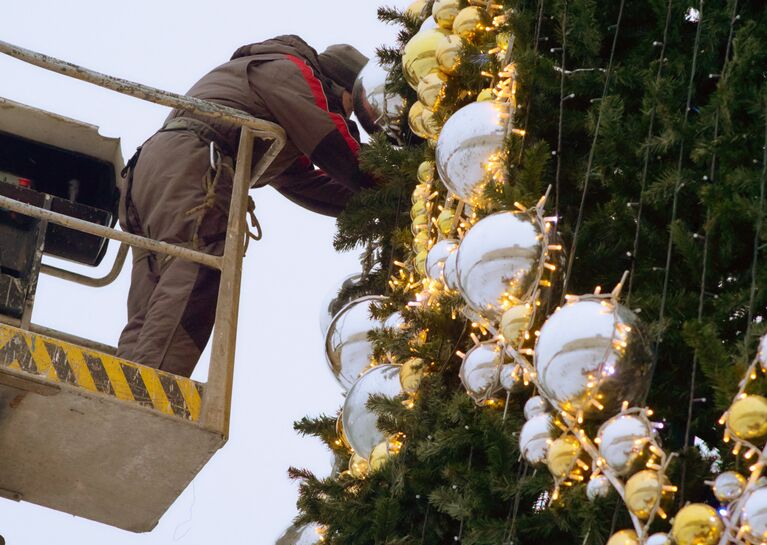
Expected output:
(622, 440)
(310, 534)
(535, 406)
(591, 356)
(376, 108)
(347, 347)
(658, 539)
(450, 271)
(480, 370)
(728, 486)
(598, 487)
(469, 140)
(499, 262)
(395, 321)
(332, 303)
(755, 514)
(435, 260)
(535, 437)
(360, 423)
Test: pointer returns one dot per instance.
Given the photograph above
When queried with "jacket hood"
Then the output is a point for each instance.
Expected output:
(288, 44)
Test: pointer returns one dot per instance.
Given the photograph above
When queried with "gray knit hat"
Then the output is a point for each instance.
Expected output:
(342, 63)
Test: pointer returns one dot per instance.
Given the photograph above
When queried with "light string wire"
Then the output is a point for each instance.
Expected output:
(592, 151)
(675, 205)
(561, 110)
(468, 469)
(704, 266)
(646, 164)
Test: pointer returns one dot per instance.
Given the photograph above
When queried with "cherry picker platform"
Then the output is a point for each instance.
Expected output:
(82, 431)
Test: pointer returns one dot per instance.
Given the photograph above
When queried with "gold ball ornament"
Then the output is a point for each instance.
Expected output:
(697, 524)
(418, 208)
(468, 21)
(420, 55)
(644, 491)
(416, 9)
(485, 94)
(515, 321)
(411, 374)
(420, 223)
(379, 455)
(728, 486)
(624, 537)
(445, 221)
(421, 121)
(562, 456)
(449, 53)
(421, 193)
(430, 89)
(444, 12)
(747, 418)
(420, 262)
(421, 240)
(358, 466)
(425, 174)
(430, 124)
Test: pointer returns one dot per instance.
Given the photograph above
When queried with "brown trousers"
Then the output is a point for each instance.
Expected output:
(172, 302)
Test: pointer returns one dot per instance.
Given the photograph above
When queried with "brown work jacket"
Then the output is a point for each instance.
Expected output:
(280, 80)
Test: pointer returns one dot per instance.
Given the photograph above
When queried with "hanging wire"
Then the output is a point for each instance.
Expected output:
(608, 74)
(646, 164)
(757, 234)
(704, 266)
(514, 507)
(468, 469)
(561, 109)
(528, 103)
(675, 206)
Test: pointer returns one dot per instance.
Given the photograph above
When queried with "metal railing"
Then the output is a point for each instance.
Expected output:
(217, 395)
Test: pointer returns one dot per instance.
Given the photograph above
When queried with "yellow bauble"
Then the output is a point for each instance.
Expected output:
(379, 455)
(514, 322)
(415, 120)
(624, 537)
(747, 418)
(697, 524)
(358, 466)
(644, 491)
(430, 124)
(485, 94)
(410, 374)
(562, 455)
(444, 12)
(421, 240)
(430, 89)
(420, 55)
(445, 221)
(420, 262)
(340, 432)
(421, 192)
(502, 40)
(418, 209)
(468, 21)
(448, 53)
(416, 8)
(426, 174)
(420, 222)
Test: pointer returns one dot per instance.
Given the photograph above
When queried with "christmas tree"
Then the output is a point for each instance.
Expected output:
(631, 145)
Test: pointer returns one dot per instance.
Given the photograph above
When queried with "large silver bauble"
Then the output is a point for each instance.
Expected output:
(535, 406)
(347, 347)
(480, 370)
(535, 437)
(598, 487)
(396, 322)
(755, 514)
(622, 440)
(591, 353)
(762, 352)
(450, 271)
(332, 303)
(435, 260)
(300, 535)
(470, 138)
(360, 423)
(499, 262)
(376, 108)
(728, 486)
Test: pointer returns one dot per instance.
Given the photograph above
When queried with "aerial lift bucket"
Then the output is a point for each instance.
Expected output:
(82, 431)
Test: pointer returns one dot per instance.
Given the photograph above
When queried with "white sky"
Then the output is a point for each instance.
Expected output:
(243, 495)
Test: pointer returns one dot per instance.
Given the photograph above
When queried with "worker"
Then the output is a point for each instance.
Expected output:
(178, 186)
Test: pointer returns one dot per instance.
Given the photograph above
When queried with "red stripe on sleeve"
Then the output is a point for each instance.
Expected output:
(322, 102)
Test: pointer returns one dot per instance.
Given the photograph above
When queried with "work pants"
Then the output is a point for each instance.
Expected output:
(172, 302)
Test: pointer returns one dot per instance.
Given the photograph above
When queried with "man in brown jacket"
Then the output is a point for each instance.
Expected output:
(174, 194)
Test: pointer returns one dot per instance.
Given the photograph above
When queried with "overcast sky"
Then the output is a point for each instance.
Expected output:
(243, 494)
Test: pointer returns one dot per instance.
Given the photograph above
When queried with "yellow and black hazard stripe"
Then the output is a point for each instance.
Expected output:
(63, 362)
